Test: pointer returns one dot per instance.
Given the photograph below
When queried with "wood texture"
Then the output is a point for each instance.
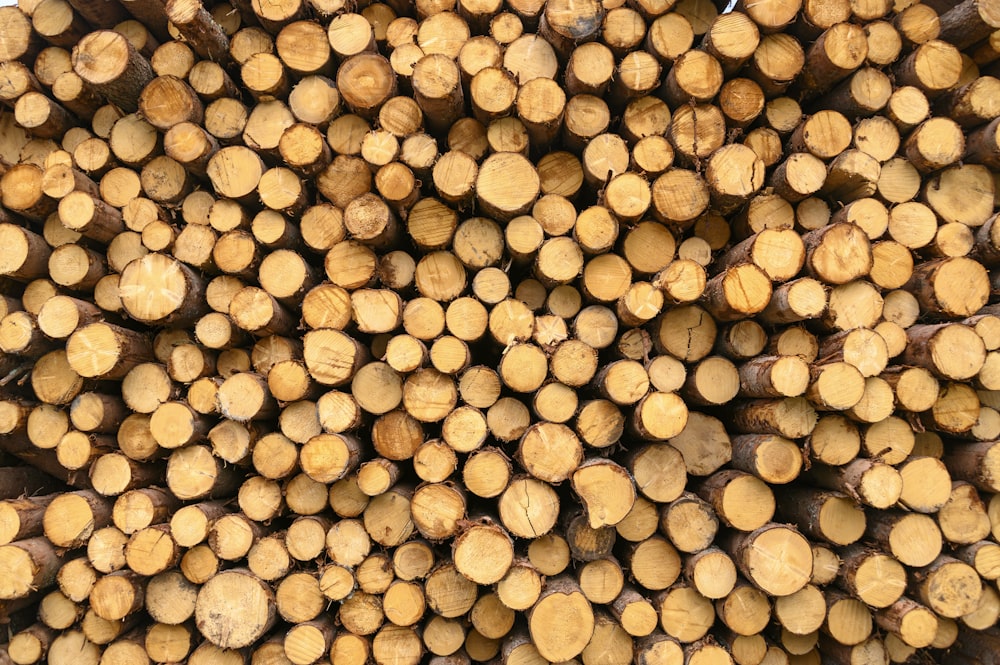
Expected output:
(659, 331)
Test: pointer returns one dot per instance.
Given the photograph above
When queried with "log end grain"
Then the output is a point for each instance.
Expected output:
(234, 609)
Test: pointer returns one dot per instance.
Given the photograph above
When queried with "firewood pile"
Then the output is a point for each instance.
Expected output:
(453, 331)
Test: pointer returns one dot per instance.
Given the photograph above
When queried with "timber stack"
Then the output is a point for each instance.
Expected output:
(523, 331)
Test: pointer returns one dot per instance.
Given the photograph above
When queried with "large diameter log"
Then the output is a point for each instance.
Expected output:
(506, 186)
(607, 491)
(20, 40)
(776, 558)
(951, 351)
(838, 253)
(107, 61)
(24, 255)
(950, 287)
(562, 621)
(106, 351)
(27, 565)
(968, 22)
(234, 609)
(949, 587)
(975, 463)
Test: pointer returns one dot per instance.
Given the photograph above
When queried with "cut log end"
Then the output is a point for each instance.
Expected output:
(234, 609)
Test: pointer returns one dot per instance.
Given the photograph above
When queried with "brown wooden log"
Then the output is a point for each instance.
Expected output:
(107, 61)
(574, 225)
(777, 60)
(967, 23)
(31, 563)
(238, 624)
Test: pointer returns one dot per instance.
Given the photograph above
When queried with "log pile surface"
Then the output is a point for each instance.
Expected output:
(514, 332)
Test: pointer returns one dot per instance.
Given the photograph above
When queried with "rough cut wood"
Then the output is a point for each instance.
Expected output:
(463, 332)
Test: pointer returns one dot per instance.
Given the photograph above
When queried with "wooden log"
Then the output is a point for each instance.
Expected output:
(107, 61)
(233, 625)
(839, 258)
(777, 60)
(106, 351)
(30, 564)
(960, 587)
(967, 23)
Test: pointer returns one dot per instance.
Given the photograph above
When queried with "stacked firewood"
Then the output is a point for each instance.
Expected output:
(512, 332)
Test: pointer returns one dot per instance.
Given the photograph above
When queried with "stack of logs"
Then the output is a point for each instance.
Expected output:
(511, 332)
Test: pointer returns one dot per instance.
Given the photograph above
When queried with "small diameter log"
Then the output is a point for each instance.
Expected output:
(737, 293)
(21, 335)
(790, 417)
(194, 473)
(42, 116)
(24, 192)
(774, 376)
(734, 174)
(867, 481)
(22, 41)
(90, 217)
(973, 463)
(199, 29)
(17, 481)
(31, 644)
(167, 101)
(833, 56)
(235, 172)
(741, 500)
(873, 577)
(835, 440)
(658, 470)
(801, 613)
(745, 610)
(25, 255)
(961, 518)
(937, 56)
(912, 538)
(21, 518)
(773, 459)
